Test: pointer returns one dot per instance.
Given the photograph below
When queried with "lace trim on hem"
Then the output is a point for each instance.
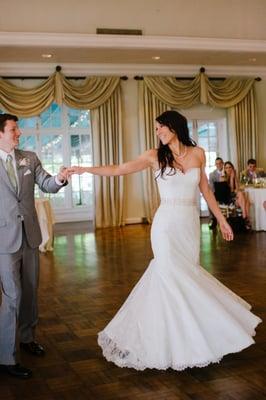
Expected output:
(121, 357)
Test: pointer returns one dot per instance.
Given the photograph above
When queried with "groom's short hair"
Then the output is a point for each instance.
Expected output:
(6, 117)
(251, 161)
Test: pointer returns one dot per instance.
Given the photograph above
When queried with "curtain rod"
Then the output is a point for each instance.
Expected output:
(58, 68)
(123, 78)
(190, 78)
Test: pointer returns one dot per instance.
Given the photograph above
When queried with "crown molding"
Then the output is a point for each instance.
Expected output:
(33, 39)
(72, 69)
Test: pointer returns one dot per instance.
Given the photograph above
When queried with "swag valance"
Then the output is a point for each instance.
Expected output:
(89, 93)
(185, 93)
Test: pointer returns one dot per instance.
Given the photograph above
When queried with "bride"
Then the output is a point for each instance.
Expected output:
(177, 315)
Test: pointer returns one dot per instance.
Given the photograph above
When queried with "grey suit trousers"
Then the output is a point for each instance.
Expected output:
(19, 276)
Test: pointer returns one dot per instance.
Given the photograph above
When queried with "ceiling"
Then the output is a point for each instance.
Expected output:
(16, 49)
(128, 56)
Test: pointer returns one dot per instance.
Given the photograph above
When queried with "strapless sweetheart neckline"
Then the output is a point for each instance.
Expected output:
(179, 170)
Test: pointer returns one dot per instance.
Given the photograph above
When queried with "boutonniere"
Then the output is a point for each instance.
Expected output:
(24, 162)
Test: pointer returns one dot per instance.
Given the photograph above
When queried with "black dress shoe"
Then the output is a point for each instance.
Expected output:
(17, 370)
(33, 348)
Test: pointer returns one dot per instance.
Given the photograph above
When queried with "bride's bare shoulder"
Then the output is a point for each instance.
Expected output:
(152, 156)
(198, 152)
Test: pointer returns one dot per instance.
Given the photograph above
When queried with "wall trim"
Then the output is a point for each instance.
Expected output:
(136, 220)
(73, 69)
(23, 39)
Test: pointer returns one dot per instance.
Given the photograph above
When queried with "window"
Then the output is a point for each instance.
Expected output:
(62, 136)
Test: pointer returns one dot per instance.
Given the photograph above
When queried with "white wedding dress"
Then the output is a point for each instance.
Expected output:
(178, 315)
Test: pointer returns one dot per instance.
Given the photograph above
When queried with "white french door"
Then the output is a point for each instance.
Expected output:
(208, 134)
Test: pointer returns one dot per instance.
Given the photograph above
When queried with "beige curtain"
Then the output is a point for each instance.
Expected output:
(149, 108)
(102, 96)
(235, 94)
(107, 149)
(245, 120)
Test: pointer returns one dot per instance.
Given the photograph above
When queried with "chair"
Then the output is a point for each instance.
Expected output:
(222, 192)
(228, 208)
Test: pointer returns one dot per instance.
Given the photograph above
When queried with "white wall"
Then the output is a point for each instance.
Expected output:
(201, 18)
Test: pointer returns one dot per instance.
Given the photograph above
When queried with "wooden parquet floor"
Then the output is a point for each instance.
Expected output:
(83, 283)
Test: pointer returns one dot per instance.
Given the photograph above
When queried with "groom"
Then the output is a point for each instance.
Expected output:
(20, 237)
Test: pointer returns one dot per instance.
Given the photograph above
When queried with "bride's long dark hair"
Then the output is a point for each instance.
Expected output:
(177, 124)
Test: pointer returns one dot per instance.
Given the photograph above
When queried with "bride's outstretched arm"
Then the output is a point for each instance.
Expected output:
(212, 203)
(144, 161)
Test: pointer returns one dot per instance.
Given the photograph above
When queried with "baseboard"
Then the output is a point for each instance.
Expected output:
(137, 220)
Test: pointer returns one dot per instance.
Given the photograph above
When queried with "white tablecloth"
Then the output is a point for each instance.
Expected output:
(257, 197)
(46, 220)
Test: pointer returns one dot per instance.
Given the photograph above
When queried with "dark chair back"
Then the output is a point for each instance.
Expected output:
(222, 192)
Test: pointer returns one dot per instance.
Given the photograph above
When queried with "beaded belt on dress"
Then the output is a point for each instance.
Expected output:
(178, 202)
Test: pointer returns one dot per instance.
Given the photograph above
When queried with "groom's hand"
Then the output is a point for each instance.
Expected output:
(63, 175)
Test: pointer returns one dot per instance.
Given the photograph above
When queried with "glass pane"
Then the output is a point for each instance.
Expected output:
(203, 204)
(82, 186)
(190, 128)
(52, 160)
(27, 143)
(57, 199)
(78, 118)
(28, 123)
(212, 129)
(51, 118)
(207, 138)
(203, 142)
(52, 152)
(203, 132)
(212, 143)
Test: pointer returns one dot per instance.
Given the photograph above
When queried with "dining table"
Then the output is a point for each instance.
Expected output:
(46, 221)
(257, 198)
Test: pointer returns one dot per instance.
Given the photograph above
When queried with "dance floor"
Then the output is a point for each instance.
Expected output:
(83, 283)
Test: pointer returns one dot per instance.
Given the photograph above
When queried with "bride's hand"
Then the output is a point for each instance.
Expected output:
(78, 170)
(226, 230)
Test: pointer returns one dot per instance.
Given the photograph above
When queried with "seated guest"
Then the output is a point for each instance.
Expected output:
(238, 197)
(251, 172)
(214, 177)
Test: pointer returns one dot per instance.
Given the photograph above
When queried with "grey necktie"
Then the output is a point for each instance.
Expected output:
(11, 172)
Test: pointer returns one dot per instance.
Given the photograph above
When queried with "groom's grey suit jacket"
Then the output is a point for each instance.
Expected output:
(15, 207)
